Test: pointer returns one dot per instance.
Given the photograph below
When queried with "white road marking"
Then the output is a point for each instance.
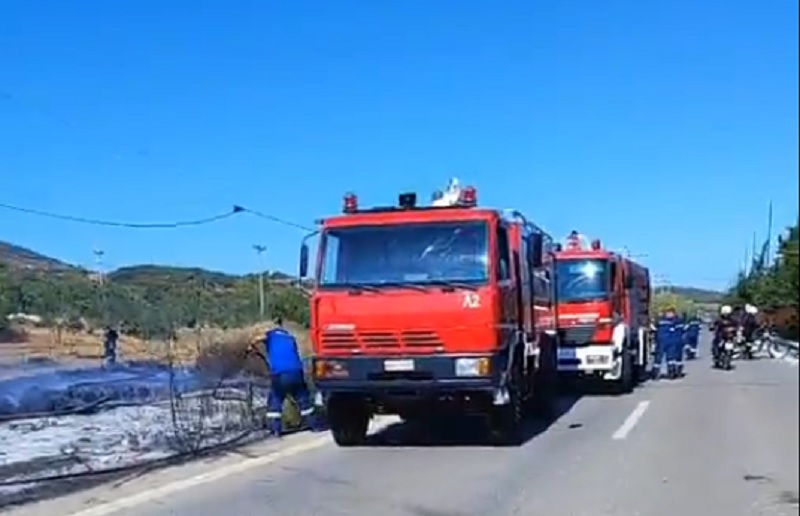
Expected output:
(110, 507)
(186, 483)
(630, 422)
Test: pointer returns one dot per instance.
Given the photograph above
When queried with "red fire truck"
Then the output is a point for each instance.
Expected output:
(603, 313)
(421, 310)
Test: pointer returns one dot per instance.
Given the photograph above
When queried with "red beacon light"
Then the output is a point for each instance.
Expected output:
(469, 196)
(574, 241)
(350, 203)
(596, 245)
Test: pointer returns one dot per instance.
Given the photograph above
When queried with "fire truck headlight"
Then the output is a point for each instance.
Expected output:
(330, 369)
(472, 366)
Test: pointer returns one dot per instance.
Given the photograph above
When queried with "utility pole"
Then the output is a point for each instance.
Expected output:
(98, 264)
(769, 234)
(259, 249)
(101, 280)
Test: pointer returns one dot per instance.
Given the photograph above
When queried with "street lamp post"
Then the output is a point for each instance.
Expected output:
(260, 249)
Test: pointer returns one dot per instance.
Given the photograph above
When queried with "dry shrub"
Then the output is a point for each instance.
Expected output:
(13, 334)
(241, 351)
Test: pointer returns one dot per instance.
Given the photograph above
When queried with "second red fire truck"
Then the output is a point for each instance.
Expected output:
(603, 313)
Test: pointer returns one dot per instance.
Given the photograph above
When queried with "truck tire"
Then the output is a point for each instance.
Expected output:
(546, 384)
(348, 421)
(505, 422)
(641, 368)
(626, 381)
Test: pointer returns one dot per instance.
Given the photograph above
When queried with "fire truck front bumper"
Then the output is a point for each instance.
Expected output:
(596, 359)
(409, 375)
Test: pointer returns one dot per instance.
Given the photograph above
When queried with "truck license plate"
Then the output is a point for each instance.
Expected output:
(394, 366)
(567, 354)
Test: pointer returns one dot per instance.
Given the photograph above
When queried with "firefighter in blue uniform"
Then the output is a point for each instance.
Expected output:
(287, 378)
(692, 335)
(669, 344)
(110, 340)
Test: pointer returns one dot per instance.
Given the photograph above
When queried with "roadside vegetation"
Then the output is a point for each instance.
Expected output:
(774, 287)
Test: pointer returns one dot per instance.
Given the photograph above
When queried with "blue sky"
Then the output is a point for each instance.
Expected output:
(665, 126)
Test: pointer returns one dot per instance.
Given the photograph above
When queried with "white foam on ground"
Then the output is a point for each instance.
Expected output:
(31, 449)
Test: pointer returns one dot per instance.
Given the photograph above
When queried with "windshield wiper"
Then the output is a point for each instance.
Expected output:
(403, 284)
(355, 287)
(451, 284)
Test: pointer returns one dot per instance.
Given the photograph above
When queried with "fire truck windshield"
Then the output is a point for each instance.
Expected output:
(405, 254)
(582, 280)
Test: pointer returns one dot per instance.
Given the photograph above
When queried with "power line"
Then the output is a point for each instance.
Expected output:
(278, 220)
(154, 225)
(118, 224)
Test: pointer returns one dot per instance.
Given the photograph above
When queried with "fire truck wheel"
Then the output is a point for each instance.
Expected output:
(546, 387)
(641, 367)
(505, 423)
(349, 422)
(626, 381)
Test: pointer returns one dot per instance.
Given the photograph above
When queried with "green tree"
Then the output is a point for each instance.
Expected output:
(774, 287)
(149, 301)
(5, 297)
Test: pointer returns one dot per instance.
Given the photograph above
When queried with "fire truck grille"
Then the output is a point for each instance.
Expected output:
(338, 341)
(577, 335)
(415, 341)
(421, 340)
(379, 340)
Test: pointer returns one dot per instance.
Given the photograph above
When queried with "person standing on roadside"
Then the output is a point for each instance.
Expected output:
(287, 377)
(669, 345)
(692, 334)
(110, 339)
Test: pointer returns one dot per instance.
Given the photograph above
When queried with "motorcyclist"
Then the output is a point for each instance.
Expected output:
(725, 320)
(692, 336)
(750, 322)
(669, 343)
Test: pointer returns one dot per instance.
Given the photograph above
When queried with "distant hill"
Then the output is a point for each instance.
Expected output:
(698, 295)
(24, 259)
(18, 257)
(153, 275)
(143, 300)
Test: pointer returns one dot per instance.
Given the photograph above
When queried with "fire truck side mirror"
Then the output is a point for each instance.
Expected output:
(537, 248)
(303, 272)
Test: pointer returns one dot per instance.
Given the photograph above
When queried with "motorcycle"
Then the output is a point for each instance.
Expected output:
(766, 341)
(723, 357)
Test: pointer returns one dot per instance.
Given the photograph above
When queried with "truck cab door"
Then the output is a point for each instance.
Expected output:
(616, 292)
(505, 271)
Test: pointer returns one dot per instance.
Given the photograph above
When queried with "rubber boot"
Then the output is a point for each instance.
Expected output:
(276, 427)
(312, 423)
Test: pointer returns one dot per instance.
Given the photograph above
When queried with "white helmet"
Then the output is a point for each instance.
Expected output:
(750, 309)
(725, 310)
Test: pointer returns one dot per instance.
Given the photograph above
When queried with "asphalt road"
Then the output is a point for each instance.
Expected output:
(713, 443)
